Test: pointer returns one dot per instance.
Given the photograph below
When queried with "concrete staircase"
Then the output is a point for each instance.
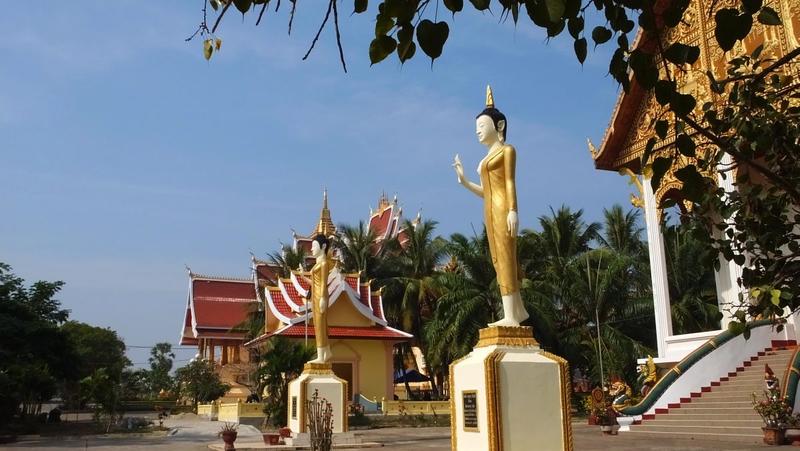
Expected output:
(724, 409)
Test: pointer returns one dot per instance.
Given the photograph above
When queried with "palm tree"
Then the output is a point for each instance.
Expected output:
(468, 299)
(412, 293)
(288, 259)
(356, 245)
(621, 231)
(692, 289)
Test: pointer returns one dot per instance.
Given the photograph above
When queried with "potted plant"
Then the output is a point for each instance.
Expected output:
(607, 419)
(777, 415)
(271, 438)
(228, 432)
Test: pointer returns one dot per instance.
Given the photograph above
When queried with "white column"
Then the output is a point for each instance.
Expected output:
(658, 269)
(727, 278)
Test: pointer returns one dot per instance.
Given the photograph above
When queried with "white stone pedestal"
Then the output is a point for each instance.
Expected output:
(509, 395)
(317, 377)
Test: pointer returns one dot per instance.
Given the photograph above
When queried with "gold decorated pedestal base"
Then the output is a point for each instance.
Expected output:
(317, 377)
(518, 337)
(508, 393)
(317, 368)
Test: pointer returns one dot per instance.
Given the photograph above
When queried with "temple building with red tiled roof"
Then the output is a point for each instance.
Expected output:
(361, 340)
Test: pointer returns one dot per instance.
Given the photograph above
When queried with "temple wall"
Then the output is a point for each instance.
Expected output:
(372, 365)
(344, 313)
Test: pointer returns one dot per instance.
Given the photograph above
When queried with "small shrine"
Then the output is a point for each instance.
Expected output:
(360, 337)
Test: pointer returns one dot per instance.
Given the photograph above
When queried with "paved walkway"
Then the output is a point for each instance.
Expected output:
(193, 434)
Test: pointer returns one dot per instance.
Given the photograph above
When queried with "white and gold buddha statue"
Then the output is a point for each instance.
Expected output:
(498, 190)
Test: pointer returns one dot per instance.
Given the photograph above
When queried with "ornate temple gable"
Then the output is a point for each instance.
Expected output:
(386, 221)
(635, 112)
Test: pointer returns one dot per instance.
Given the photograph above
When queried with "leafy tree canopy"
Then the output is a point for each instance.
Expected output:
(199, 382)
(34, 352)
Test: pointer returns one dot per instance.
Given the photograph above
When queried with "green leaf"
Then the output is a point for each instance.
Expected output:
(480, 5)
(685, 145)
(214, 4)
(694, 185)
(644, 70)
(660, 167)
(735, 327)
(648, 149)
(383, 24)
(601, 35)
(725, 29)
(580, 49)
(618, 67)
(380, 48)
(406, 50)
(555, 9)
(769, 16)
(775, 296)
(622, 41)
(751, 6)
(682, 104)
(242, 5)
(664, 91)
(679, 53)
(661, 128)
(208, 49)
(627, 26)
(674, 12)
(575, 26)
(537, 11)
(746, 332)
(454, 5)
(556, 28)
(431, 37)
(359, 6)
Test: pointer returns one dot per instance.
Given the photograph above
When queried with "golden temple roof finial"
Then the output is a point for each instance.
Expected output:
(325, 225)
(489, 97)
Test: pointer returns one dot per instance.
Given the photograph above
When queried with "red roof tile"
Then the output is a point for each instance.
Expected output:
(221, 314)
(222, 304)
(365, 295)
(294, 296)
(353, 282)
(280, 303)
(304, 284)
(377, 310)
(223, 290)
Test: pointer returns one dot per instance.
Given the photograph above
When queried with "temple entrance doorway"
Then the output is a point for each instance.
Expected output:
(344, 370)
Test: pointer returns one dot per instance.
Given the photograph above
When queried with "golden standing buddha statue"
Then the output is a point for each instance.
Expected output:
(499, 193)
(320, 296)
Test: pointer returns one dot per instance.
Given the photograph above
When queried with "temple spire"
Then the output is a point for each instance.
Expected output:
(325, 225)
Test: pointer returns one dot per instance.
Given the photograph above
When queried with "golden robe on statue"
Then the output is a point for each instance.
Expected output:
(499, 197)
(320, 299)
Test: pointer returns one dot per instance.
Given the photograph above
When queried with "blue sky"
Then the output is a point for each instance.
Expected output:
(125, 155)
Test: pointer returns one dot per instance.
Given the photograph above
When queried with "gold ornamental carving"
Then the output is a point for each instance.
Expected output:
(318, 368)
(517, 337)
(566, 409)
(494, 427)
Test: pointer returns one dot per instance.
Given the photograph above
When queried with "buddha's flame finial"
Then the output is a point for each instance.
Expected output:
(489, 97)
